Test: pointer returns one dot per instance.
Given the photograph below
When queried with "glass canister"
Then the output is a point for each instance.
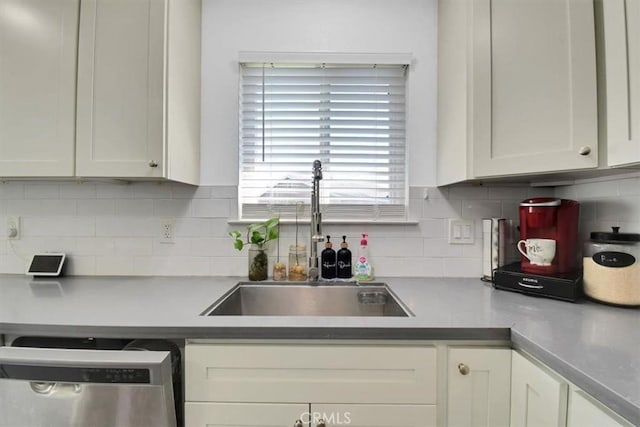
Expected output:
(297, 263)
(611, 263)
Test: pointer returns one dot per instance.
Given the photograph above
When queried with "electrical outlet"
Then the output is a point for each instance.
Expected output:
(166, 230)
(461, 232)
(13, 227)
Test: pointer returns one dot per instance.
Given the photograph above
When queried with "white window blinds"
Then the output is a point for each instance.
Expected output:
(351, 118)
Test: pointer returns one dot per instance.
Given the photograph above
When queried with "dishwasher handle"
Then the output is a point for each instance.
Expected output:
(49, 388)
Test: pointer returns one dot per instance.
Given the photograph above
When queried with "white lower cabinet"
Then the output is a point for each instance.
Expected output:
(478, 387)
(584, 411)
(266, 384)
(202, 414)
(538, 396)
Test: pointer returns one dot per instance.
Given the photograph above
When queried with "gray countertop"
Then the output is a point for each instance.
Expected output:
(595, 346)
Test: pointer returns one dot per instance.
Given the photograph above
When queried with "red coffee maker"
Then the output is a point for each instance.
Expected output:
(549, 235)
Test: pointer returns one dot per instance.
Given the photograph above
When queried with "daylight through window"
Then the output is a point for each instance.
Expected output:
(352, 118)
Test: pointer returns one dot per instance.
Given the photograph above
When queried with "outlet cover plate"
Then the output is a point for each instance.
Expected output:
(461, 232)
(13, 228)
(167, 226)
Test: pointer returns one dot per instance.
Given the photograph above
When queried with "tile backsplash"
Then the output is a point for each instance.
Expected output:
(114, 229)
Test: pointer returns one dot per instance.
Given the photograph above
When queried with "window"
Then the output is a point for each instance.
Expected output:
(350, 117)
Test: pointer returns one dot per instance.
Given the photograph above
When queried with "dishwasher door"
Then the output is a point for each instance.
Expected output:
(64, 387)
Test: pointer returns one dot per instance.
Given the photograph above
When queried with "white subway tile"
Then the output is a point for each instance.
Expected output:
(629, 187)
(566, 192)
(441, 208)
(210, 208)
(508, 192)
(408, 267)
(78, 190)
(230, 266)
(184, 191)
(224, 192)
(415, 209)
(126, 227)
(41, 191)
(134, 207)
(59, 207)
(395, 247)
(61, 226)
(418, 192)
(468, 192)
(115, 191)
(172, 207)
(13, 264)
(95, 246)
(481, 209)
(221, 228)
(213, 246)
(600, 189)
(542, 192)
(440, 248)
(511, 209)
(133, 245)
(463, 267)
(3, 245)
(152, 190)
(472, 251)
(23, 207)
(619, 209)
(172, 266)
(80, 266)
(433, 228)
(437, 193)
(96, 207)
(11, 190)
(198, 227)
(114, 265)
(181, 246)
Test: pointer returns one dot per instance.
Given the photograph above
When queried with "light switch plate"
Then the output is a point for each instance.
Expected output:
(461, 232)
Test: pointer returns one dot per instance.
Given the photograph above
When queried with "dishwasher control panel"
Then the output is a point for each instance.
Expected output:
(75, 374)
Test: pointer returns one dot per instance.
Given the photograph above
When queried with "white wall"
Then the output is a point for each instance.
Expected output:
(345, 26)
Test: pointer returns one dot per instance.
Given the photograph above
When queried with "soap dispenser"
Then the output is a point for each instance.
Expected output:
(328, 261)
(344, 260)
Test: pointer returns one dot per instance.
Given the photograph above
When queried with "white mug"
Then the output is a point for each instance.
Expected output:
(538, 251)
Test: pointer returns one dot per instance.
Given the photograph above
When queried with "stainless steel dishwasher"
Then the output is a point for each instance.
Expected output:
(82, 388)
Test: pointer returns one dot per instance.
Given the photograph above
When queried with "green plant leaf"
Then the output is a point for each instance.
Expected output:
(257, 238)
(238, 244)
(273, 234)
(235, 234)
(271, 223)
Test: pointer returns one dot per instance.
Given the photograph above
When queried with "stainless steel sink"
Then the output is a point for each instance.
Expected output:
(298, 299)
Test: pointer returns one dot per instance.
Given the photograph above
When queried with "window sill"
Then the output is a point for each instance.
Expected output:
(305, 221)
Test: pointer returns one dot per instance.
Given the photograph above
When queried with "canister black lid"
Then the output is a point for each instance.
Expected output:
(615, 236)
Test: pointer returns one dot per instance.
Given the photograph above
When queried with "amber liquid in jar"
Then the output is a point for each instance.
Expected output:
(297, 263)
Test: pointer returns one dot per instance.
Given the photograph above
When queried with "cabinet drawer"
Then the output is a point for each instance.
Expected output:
(310, 373)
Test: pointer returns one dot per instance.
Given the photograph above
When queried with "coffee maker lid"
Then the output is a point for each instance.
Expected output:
(541, 202)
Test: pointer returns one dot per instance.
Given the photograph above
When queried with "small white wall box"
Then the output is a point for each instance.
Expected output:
(46, 265)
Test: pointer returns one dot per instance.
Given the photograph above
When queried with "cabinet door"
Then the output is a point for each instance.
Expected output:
(585, 412)
(202, 414)
(538, 398)
(534, 86)
(38, 44)
(330, 415)
(120, 129)
(478, 387)
(621, 28)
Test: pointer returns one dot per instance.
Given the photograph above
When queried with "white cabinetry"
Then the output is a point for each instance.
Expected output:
(538, 396)
(517, 88)
(478, 387)
(38, 46)
(139, 89)
(619, 80)
(371, 384)
(199, 414)
(584, 411)
(136, 113)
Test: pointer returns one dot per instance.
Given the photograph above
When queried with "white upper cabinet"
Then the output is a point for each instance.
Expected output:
(136, 111)
(517, 88)
(38, 45)
(139, 89)
(619, 80)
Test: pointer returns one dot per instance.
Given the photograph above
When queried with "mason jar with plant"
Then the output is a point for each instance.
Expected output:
(257, 236)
